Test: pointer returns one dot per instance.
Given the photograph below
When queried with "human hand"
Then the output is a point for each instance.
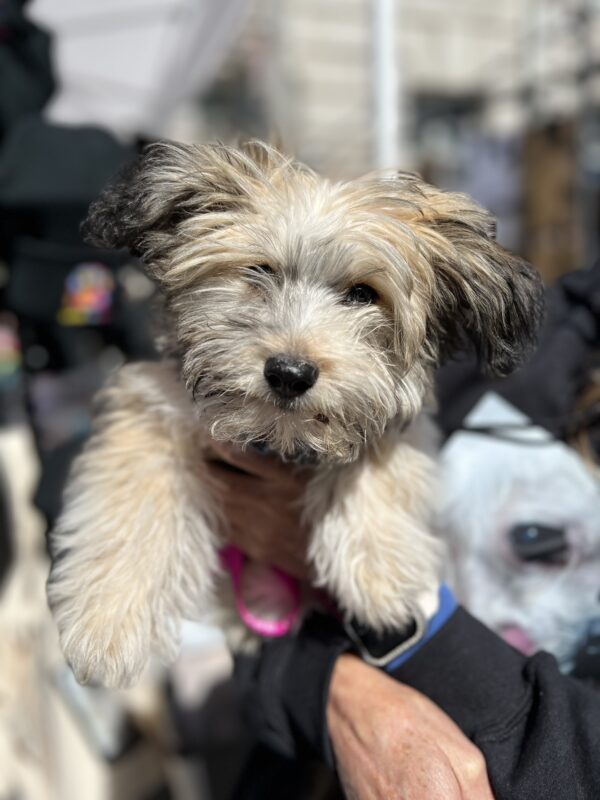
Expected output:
(261, 502)
(392, 743)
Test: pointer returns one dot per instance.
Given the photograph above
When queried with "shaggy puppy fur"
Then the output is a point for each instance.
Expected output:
(305, 316)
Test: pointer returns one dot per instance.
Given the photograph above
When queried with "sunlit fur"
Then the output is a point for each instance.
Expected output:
(205, 221)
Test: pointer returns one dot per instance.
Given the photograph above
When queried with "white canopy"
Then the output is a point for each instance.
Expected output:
(127, 65)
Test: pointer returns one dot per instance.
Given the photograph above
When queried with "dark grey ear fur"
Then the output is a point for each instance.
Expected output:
(487, 296)
(168, 181)
(135, 201)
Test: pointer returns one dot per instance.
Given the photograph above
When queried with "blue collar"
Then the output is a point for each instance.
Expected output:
(447, 607)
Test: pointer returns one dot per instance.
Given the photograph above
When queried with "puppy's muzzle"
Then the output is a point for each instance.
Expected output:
(290, 377)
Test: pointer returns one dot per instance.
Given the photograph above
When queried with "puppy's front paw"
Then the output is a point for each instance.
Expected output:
(376, 597)
(109, 652)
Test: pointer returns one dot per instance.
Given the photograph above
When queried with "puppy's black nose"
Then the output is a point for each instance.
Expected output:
(289, 376)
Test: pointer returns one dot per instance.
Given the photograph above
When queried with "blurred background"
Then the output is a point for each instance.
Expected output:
(500, 100)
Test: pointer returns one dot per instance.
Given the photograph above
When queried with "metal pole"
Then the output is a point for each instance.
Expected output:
(386, 85)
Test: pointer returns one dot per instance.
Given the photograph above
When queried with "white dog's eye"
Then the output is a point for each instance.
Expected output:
(361, 293)
(533, 541)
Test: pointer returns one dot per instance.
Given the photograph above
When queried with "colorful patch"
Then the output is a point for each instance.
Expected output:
(88, 295)
(10, 351)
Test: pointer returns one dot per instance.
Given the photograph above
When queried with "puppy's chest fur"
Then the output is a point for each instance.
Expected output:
(371, 522)
(139, 529)
(371, 546)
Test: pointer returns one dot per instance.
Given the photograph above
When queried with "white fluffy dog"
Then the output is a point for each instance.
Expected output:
(523, 521)
(305, 316)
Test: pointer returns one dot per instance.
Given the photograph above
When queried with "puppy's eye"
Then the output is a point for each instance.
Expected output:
(535, 542)
(264, 269)
(361, 293)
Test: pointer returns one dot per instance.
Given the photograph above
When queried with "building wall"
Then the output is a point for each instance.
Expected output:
(520, 56)
(324, 66)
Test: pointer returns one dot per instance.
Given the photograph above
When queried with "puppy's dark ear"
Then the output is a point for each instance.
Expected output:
(483, 293)
(486, 294)
(141, 208)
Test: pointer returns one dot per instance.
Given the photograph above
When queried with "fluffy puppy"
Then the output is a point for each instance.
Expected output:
(305, 316)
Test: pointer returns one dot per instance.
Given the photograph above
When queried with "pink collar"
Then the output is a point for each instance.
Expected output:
(233, 560)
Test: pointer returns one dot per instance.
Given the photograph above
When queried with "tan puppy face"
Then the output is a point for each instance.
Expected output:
(308, 314)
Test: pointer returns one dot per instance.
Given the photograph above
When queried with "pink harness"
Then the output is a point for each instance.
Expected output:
(234, 560)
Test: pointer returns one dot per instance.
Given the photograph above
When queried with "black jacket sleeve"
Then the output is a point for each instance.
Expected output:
(538, 730)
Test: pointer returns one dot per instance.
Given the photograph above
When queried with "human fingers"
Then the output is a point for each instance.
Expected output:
(262, 465)
(281, 499)
(269, 542)
(264, 525)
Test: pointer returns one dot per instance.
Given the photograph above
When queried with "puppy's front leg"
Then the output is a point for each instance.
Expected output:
(133, 549)
(372, 547)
